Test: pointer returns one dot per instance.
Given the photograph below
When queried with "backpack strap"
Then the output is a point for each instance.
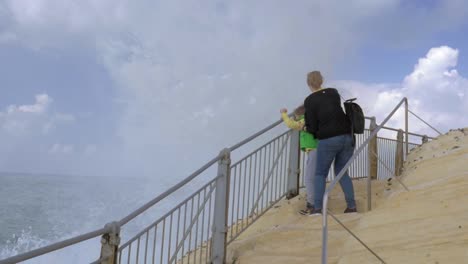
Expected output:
(350, 120)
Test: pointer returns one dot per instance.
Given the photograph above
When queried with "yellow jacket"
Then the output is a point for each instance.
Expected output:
(291, 123)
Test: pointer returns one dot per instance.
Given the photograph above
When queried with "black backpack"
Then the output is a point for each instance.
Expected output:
(355, 115)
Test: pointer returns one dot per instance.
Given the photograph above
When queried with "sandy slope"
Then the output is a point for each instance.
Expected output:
(428, 224)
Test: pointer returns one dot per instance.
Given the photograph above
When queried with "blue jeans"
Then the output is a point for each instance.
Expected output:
(340, 149)
(310, 175)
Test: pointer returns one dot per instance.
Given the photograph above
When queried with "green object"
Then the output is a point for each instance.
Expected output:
(306, 140)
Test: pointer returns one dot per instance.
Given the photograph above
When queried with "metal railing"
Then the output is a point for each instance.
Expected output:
(178, 235)
(184, 234)
(258, 181)
(386, 154)
(170, 237)
(353, 159)
(200, 227)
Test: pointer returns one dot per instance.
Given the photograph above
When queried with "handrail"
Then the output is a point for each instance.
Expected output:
(259, 148)
(342, 172)
(396, 140)
(193, 175)
(93, 234)
(409, 133)
(128, 218)
(140, 210)
(259, 133)
(440, 133)
(135, 237)
(55, 246)
(168, 192)
(357, 238)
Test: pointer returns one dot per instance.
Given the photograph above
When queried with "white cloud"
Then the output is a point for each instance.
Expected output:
(194, 78)
(32, 118)
(42, 102)
(72, 15)
(19, 119)
(61, 149)
(436, 93)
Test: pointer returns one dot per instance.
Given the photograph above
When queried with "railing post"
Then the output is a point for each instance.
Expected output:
(406, 128)
(294, 166)
(218, 252)
(399, 153)
(110, 243)
(371, 149)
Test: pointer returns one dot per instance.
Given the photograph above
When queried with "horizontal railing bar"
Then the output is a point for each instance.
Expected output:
(254, 136)
(260, 148)
(55, 246)
(259, 133)
(164, 216)
(409, 133)
(394, 140)
(168, 192)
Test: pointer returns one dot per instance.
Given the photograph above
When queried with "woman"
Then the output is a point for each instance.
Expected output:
(326, 120)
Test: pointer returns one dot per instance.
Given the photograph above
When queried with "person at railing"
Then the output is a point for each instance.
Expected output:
(326, 120)
(308, 144)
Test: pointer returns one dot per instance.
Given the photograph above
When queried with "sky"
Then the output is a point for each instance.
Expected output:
(157, 88)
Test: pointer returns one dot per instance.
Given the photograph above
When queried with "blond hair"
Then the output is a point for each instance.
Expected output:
(314, 79)
(300, 110)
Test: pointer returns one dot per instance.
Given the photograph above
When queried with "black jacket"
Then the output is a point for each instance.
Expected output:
(324, 116)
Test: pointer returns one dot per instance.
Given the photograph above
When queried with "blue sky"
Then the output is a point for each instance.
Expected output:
(374, 59)
(124, 87)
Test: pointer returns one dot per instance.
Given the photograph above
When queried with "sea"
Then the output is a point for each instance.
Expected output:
(37, 210)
